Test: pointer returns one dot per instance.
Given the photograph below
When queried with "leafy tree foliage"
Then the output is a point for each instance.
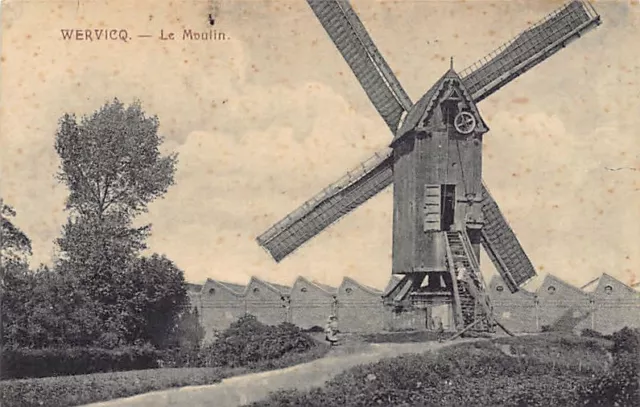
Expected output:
(111, 163)
(101, 291)
(188, 333)
(45, 308)
(111, 160)
(14, 243)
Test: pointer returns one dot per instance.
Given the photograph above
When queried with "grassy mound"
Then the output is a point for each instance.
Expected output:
(546, 370)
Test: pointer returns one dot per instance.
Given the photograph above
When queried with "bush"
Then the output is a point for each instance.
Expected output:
(590, 333)
(620, 385)
(23, 362)
(314, 329)
(249, 341)
(626, 340)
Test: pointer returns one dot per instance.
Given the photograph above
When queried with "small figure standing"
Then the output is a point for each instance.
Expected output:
(461, 271)
(331, 330)
(440, 330)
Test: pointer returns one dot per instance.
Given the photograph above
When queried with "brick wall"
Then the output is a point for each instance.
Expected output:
(516, 311)
(310, 304)
(614, 305)
(610, 307)
(360, 308)
(220, 306)
(561, 303)
(266, 302)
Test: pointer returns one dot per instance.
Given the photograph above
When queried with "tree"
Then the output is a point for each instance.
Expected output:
(14, 243)
(111, 163)
(44, 308)
(111, 160)
(15, 248)
(158, 294)
(189, 332)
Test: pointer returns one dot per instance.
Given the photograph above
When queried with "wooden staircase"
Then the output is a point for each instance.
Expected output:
(471, 299)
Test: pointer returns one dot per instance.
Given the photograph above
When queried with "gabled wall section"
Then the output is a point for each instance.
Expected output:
(562, 306)
(311, 303)
(516, 311)
(614, 305)
(360, 307)
(220, 306)
(268, 303)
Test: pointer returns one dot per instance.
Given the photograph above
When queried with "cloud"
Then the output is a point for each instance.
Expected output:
(556, 193)
(235, 182)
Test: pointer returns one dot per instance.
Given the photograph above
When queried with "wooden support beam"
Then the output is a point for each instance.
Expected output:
(508, 332)
(471, 325)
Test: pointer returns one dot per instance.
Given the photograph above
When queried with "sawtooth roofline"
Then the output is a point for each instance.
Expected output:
(494, 281)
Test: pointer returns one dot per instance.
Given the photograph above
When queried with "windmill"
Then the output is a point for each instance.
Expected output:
(443, 212)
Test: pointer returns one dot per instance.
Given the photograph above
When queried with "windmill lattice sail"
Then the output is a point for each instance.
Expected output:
(326, 207)
(352, 40)
(502, 245)
(529, 48)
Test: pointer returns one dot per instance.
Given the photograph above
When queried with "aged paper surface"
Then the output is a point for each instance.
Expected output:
(264, 113)
(267, 113)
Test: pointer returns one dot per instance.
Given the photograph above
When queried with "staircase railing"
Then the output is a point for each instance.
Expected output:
(457, 306)
(477, 288)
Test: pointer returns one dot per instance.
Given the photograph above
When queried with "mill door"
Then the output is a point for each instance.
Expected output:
(448, 206)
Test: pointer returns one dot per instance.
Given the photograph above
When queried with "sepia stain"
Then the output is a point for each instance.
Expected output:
(520, 100)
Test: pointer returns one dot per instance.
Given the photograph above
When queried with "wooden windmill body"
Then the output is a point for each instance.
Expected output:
(443, 212)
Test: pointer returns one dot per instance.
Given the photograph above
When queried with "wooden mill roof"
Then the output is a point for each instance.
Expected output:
(426, 103)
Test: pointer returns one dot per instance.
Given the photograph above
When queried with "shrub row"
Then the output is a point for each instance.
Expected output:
(24, 362)
(246, 341)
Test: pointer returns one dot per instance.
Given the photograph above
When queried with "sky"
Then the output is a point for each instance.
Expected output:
(268, 117)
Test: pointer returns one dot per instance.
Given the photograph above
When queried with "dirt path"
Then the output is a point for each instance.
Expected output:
(240, 390)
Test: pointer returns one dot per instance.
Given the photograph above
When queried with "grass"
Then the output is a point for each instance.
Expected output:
(404, 337)
(567, 350)
(65, 391)
(82, 389)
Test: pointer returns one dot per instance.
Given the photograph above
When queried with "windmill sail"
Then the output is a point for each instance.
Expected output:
(529, 48)
(352, 40)
(502, 245)
(328, 206)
